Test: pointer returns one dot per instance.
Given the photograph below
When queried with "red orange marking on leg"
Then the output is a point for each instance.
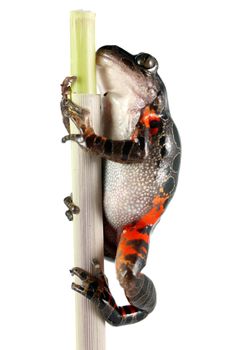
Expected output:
(131, 232)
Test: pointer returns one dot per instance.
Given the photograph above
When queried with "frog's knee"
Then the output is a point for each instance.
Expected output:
(139, 289)
(127, 278)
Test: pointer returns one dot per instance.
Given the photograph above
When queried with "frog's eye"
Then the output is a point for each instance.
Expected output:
(146, 61)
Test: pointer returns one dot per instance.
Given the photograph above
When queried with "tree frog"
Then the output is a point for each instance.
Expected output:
(141, 151)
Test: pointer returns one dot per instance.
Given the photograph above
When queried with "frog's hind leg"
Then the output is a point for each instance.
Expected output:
(139, 290)
(130, 259)
(132, 255)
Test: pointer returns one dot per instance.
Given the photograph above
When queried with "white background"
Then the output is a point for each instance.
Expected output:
(190, 257)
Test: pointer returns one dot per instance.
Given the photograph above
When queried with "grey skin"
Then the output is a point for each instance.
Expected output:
(136, 170)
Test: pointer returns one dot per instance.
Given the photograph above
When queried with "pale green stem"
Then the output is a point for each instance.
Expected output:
(82, 47)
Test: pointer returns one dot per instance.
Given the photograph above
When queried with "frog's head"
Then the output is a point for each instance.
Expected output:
(128, 83)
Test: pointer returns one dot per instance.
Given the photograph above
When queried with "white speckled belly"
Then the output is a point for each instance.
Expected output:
(128, 191)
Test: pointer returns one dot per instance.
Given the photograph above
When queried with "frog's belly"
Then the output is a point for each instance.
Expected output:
(129, 190)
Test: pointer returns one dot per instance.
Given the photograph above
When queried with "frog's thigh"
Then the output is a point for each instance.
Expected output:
(130, 259)
(132, 251)
(134, 240)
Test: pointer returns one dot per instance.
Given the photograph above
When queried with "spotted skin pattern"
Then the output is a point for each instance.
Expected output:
(139, 179)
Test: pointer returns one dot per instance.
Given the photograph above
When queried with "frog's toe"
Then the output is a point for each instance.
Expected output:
(66, 86)
(71, 111)
(73, 137)
(78, 288)
(82, 274)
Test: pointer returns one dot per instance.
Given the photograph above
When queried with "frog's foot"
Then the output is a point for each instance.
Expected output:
(70, 110)
(95, 288)
(78, 115)
(72, 208)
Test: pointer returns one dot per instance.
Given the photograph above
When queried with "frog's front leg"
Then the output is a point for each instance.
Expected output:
(134, 150)
(122, 151)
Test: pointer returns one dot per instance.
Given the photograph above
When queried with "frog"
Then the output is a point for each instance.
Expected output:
(141, 152)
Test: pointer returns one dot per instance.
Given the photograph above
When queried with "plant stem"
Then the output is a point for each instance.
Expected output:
(86, 179)
(82, 40)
